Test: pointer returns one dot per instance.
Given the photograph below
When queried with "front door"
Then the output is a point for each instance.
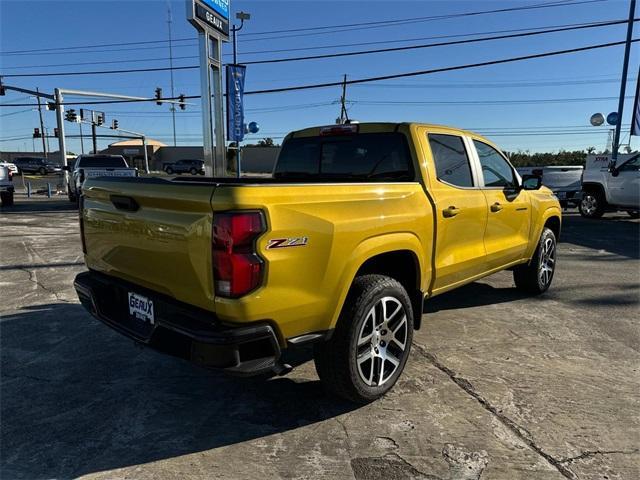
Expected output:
(461, 213)
(506, 237)
(624, 187)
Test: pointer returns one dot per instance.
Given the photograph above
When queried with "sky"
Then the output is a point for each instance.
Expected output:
(537, 105)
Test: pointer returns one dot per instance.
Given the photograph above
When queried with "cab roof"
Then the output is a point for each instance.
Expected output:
(374, 127)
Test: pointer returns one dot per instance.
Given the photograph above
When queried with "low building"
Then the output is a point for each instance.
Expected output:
(133, 152)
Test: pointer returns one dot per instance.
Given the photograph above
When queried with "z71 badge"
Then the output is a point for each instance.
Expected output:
(287, 242)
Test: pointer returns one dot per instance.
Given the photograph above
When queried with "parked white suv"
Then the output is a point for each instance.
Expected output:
(607, 188)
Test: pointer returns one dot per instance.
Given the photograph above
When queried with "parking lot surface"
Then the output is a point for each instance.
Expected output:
(498, 386)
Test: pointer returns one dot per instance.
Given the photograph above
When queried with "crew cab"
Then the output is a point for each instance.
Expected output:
(96, 165)
(609, 187)
(358, 225)
(6, 186)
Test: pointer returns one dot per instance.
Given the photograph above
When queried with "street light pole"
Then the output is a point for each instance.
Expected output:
(242, 16)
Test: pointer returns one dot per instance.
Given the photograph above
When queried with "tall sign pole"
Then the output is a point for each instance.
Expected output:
(623, 83)
(211, 19)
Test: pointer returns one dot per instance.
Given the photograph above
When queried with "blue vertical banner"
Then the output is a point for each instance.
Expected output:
(635, 119)
(235, 102)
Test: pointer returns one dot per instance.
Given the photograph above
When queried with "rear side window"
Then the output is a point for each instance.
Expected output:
(495, 169)
(451, 160)
(360, 157)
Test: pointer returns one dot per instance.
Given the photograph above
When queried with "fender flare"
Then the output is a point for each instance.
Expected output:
(552, 211)
(371, 247)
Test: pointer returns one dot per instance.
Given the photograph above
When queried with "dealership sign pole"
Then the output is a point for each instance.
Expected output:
(211, 20)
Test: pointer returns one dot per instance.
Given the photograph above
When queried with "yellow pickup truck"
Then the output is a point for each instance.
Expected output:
(358, 225)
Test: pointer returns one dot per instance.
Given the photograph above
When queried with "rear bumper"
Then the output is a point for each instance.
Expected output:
(6, 188)
(180, 330)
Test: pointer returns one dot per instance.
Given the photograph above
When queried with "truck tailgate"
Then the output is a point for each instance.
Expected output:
(159, 238)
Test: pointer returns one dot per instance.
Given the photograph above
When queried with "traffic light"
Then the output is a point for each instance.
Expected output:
(114, 124)
(56, 133)
(99, 118)
(36, 133)
(2, 90)
(158, 96)
(181, 99)
(71, 115)
(51, 105)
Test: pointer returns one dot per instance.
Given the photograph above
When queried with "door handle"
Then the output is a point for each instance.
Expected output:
(450, 212)
(496, 207)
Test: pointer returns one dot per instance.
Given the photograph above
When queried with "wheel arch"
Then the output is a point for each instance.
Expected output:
(395, 255)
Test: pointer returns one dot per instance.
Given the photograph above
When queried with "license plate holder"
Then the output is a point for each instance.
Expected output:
(141, 308)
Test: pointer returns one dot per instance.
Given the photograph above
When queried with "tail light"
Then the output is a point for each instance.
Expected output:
(80, 217)
(237, 268)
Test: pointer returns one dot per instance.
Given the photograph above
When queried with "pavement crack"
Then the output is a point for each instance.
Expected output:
(33, 278)
(594, 453)
(521, 432)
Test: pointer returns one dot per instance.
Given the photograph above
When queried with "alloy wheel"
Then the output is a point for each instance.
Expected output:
(589, 204)
(382, 341)
(547, 261)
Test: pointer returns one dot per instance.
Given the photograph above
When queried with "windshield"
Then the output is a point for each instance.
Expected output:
(102, 161)
(360, 157)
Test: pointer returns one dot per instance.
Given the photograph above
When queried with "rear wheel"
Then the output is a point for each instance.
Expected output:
(592, 204)
(371, 343)
(42, 171)
(633, 213)
(536, 277)
(169, 170)
(193, 171)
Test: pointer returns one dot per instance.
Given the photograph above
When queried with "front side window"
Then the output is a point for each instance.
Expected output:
(631, 165)
(451, 160)
(495, 169)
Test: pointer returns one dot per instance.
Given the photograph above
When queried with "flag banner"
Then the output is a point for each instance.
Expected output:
(635, 120)
(235, 102)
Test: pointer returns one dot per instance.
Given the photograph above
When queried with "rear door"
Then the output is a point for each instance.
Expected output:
(506, 236)
(461, 211)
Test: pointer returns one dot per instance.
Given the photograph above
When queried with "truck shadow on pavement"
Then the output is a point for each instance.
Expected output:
(78, 398)
(615, 233)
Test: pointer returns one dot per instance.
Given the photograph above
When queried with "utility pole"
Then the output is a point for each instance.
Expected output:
(44, 140)
(81, 140)
(344, 116)
(93, 136)
(623, 83)
(172, 106)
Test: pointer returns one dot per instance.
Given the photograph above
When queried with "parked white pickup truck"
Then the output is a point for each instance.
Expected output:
(6, 186)
(563, 180)
(97, 165)
(611, 188)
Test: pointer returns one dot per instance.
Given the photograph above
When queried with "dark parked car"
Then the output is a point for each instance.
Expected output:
(193, 167)
(38, 165)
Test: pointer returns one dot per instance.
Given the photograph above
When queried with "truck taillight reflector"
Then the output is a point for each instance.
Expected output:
(237, 268)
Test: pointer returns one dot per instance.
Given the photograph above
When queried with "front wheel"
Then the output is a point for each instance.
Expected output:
(371, 343)
(536, 276)
(42, 171)
(592, 205)
(193, 171)
(633, 213)
(169, 171)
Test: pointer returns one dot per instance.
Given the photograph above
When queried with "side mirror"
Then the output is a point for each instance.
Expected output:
(531, 182)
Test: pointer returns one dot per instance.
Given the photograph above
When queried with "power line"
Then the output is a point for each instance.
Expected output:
(396, 22)
(332, 55)
(323, 30)
(484, 102)
(392, 76)
(437, 44)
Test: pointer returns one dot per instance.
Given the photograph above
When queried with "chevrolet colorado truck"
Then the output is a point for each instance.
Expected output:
(358, 225)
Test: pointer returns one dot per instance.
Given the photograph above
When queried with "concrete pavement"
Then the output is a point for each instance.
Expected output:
(499, 386)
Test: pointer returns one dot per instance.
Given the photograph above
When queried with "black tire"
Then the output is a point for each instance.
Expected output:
(42, 171)
(193, 171)
(169, 171)
(592, 204)
(633, 213)
(337, 359)
(529, 277)
(6, 198)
